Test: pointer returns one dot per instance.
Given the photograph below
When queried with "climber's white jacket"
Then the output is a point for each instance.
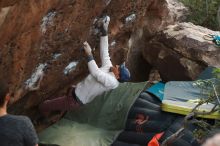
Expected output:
(100, 79)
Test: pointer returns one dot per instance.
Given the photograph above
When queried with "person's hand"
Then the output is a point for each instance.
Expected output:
(87, 48)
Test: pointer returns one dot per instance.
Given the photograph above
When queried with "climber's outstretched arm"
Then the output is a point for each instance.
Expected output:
(104, 52)
(102, 77)
(96, 72)
(104, 49)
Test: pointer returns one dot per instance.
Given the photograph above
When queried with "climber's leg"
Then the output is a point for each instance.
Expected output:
(64, 103)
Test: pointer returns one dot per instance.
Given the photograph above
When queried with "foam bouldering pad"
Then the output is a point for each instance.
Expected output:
(157, 90)
(97, 123)
(182, 96)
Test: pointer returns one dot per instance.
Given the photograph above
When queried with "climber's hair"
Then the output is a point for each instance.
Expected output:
(3, 92)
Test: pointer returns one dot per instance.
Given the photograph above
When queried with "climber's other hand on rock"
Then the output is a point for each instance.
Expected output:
(87, 48)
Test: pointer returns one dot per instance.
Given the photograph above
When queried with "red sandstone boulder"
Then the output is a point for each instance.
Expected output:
(180, 52)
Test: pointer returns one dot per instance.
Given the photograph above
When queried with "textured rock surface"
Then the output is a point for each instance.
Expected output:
(180, 52)
(7, 3)
(36, 32)
(3, 14)
(158, 15)
(178, 12)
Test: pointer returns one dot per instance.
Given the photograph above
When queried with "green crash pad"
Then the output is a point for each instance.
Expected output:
(97, 123)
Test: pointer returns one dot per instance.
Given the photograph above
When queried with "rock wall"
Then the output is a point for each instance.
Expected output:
(157, 17)
(51, 32)
(180, 52)
(7, 3)
(47, 35)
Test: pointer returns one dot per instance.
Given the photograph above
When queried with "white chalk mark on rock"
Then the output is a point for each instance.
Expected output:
(39, 72)
(47, 21)
(107, 2)
(71, 67)
(56, 56)
(113, 43)
(131, 18)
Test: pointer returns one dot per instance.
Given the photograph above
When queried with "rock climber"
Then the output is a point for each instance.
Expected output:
(102, 79)
(15, 130)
